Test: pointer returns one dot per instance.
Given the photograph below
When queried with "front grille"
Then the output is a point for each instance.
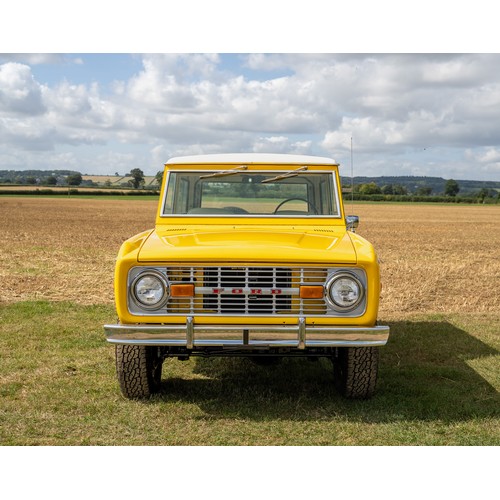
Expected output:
(245, 291)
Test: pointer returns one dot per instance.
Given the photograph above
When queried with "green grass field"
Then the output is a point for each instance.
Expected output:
(439, 385)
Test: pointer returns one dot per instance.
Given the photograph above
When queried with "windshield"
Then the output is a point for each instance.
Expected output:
(303, 194)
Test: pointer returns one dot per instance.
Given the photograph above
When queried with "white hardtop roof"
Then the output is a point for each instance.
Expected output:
(248, 158)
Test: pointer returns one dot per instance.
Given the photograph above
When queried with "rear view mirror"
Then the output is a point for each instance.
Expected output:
(352, 222)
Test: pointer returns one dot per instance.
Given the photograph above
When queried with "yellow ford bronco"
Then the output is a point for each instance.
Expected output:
(252, 255)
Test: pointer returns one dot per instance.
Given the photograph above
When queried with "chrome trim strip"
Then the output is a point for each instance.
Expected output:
(300, 336)
(164, 197)
(254, 216)
(302, 333)
(239, 291)
(339, 275)
(189, 332)
(166, 290)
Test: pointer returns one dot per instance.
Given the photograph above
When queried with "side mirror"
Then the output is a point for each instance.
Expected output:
(352, 222)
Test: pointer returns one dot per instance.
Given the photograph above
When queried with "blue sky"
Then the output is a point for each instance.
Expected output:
(108, 68)
(106, 111)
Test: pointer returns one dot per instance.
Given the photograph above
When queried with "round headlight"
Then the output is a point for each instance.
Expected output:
(345, 291)
(150, 290)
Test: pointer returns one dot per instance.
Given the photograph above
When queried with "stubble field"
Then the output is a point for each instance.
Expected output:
(439, 377)
(434, 258)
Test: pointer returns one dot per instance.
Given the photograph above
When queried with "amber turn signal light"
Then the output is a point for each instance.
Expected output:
(311, 292)
(182, 291)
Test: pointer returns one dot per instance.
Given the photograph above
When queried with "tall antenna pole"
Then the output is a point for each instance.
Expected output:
(352, 178)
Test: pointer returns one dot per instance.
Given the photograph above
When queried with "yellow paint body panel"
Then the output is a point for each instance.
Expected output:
(238, 243)
(245, 242)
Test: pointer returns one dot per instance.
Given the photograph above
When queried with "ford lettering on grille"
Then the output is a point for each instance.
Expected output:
(246, 291)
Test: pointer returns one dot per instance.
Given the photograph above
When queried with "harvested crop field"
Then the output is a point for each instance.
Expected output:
(434, 258)
(64, 249)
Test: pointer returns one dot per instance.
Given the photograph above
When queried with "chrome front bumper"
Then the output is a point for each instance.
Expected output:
(298, 336)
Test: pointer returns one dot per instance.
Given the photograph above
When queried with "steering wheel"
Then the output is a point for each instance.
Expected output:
(309, 204)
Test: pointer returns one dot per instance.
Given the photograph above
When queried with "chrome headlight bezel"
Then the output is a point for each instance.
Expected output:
(358, 283)
(164, 286)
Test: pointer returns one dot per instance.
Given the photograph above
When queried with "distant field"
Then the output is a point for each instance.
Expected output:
(103, 181)
(58, 189)
(117, 180)
(440, 373)
(45, 191)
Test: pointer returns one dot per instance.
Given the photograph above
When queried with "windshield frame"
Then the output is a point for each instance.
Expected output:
(277, 172)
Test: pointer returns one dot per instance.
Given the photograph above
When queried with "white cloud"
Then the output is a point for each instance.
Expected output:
(281, 144)
(159, 155)
(69, 101)
(488, 159)
(395, 107)
(489, 155)
(19, 92)
(33, 59)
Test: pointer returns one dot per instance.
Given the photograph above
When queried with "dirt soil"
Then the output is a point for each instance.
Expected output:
(434, 258)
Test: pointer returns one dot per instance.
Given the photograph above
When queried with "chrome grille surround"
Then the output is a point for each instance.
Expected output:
(236, 291)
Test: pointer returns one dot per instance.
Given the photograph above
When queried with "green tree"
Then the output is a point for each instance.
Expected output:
(159, 177)
(424, 191)
(451, 188)
(485, 193)
(389, 189)
(51, 180)
(137, 177)
(74, 179)
(398, 189)
(370, 188)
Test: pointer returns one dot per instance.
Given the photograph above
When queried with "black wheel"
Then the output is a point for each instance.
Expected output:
(139, 370)
(355, 371)
(309, 204)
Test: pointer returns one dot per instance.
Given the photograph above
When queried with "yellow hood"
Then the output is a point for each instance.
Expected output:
(243, 244)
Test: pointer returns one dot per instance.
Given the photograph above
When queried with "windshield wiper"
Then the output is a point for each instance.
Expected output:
(223, 173)
(293, 173)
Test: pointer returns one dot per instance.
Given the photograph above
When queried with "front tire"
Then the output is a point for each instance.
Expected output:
(138, 369)
(355, 371)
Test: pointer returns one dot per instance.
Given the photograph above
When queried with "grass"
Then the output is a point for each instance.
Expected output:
(439, 385)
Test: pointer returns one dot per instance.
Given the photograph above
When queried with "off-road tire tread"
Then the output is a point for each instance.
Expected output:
(355, 371)
(135, 369)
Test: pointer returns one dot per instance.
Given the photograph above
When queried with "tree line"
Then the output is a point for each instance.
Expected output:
(398, 192)
(375, 189)
(70, 178)
(451, 188)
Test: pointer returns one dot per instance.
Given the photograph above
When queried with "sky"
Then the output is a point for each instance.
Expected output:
(435, 113)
